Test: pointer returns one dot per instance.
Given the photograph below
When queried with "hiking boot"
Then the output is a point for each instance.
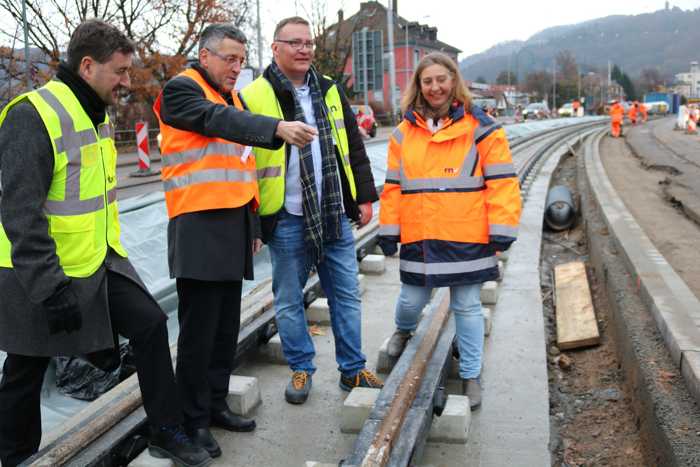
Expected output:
(472, 389)
(397, 343)
(171, 442)
(298, 388)
(363, 379)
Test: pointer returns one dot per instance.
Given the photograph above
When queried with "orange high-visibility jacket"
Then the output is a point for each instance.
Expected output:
(451, 198)
(632, 113)
(617, 113)
(199, 172)
(644, 111)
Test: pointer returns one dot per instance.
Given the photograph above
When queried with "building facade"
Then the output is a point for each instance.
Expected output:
(689, 83)
(370, 52)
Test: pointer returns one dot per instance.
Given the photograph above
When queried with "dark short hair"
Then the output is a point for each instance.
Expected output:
(97, 39)
(286, 21)
(215, 33)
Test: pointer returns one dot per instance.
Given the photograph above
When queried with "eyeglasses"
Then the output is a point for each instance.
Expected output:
(230, 60)
(298, 44)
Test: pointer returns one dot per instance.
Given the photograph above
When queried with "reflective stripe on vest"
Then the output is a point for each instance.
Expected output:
(203, 173)
(84, 180)
(457, 267)
(197, 154)
(260, 99)
(464, 181)
(389, 229)
(208, 175)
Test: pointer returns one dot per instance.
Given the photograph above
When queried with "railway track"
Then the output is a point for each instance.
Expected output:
(111, 430)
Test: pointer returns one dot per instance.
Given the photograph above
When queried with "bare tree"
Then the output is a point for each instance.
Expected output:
(650, 80)
(164, 31)
(333, 42)
(567, 68)
(538, 84)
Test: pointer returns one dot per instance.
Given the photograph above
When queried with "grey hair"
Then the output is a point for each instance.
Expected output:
(215, 33)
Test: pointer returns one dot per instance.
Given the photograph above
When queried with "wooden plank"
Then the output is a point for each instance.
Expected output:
(576, 322)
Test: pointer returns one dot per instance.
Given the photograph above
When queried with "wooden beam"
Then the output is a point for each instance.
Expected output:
(576, 322)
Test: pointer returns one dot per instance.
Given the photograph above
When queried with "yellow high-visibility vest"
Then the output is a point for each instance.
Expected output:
(271, 163)
(81, 205)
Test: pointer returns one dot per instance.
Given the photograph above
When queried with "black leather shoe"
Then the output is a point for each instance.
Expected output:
(231, 422)
(171, 442)
(203, 438)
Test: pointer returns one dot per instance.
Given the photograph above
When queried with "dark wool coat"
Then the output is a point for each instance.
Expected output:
(214, 245)
(26, 167)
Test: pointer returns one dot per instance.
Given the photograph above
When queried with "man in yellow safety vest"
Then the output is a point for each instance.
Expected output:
(67, 287)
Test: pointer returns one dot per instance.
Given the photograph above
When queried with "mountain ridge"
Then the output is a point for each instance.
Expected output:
(665, 39)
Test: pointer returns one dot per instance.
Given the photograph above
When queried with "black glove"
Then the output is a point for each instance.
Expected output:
(500, 246)
(62, 311)
(389, 247)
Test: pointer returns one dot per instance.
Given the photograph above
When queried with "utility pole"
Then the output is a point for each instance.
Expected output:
(554, 86)
(364, 66)
(508, 89)
(407, 73)
(260, 57)
(607, 89)
(27, 59)
(578, 72)
(392, 63)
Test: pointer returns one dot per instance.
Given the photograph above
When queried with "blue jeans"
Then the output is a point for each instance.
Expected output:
(465, 303)
(338, 275)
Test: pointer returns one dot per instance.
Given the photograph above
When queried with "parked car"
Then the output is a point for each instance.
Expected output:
(536, 111)
(566, 110)
(365, 119)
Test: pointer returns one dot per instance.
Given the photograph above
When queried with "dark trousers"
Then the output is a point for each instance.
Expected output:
(135, 316)
(209, 314)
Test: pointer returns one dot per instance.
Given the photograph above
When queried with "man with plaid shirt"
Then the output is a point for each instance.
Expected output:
(306, 197)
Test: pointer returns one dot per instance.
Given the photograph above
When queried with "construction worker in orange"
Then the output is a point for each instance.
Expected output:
(575, 105)
(617, 114)
(644, 112)
(452, 199)
(632, 112)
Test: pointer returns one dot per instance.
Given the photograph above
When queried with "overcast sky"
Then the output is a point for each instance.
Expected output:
(475, 26)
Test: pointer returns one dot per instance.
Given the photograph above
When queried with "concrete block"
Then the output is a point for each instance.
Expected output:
(489, 292)
(362, 280)
(488, 322)
(243, 394)
(372, 264)
(385, 363)
(318, 312)
(145, 459)
(356, 409)
(272, 351)
(453, 425)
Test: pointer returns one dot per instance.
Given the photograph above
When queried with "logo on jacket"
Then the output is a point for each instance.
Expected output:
(450, 171)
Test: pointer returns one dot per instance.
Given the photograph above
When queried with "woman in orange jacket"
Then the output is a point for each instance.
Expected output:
(452, 199)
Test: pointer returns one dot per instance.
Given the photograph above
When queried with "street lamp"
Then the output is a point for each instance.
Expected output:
(364, 66)
(27, 61)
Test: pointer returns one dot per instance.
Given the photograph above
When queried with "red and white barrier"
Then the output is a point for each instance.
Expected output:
(143, 149)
